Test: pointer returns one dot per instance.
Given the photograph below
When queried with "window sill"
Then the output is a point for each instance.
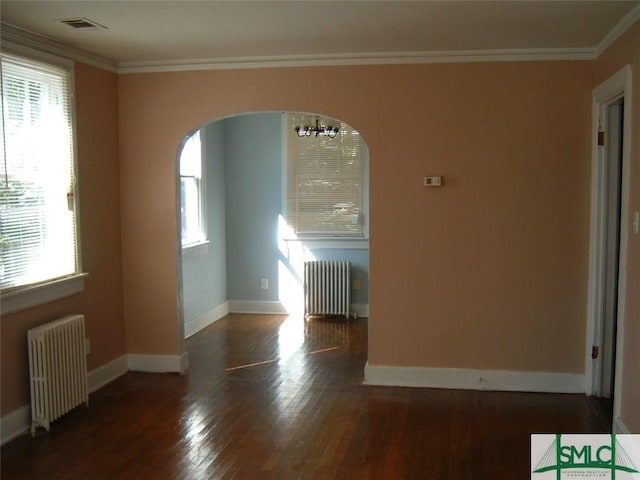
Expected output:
(22, 298)
(344, 243)
(195, 249)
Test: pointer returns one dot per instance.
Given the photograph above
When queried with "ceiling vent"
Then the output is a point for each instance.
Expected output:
(82, 23)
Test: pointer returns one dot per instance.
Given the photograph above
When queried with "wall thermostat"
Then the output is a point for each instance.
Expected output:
(432, 181)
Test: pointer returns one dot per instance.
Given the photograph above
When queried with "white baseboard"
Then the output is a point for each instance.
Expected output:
(360, 309)
(18, 422)
(203, 321)
(277, 308)
(15, 424)
(158, 363)
(468, 379)
(107, 373)
(259, 307)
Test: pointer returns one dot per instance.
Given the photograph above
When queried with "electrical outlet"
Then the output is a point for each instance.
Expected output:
(264, 284)
(87, 346)
(356, 284)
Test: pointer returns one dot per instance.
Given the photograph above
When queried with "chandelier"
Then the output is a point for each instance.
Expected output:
(317, 129)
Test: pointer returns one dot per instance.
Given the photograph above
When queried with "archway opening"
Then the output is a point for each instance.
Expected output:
(257, 218)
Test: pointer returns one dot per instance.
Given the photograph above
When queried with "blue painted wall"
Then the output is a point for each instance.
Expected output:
(204, 276)
(254, 191)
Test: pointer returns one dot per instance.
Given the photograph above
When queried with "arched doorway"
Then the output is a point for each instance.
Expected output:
(250, 258)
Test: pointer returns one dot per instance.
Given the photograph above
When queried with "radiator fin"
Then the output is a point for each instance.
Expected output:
(57, 368)
(327, 286)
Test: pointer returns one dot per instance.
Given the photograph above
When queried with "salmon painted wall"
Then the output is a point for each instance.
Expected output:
(489, 271)
(101, 302)
(627, 51)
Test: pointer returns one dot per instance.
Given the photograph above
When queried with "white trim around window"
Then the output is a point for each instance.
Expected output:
(195, 249)
(18, 298)
(192, 172)
(331, 243)
(31, 296)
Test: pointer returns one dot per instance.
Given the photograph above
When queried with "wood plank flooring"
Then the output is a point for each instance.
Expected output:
(274, 397)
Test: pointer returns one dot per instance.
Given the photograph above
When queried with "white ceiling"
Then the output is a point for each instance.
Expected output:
(156, 32)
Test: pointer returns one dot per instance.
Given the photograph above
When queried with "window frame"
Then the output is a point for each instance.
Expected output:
(329, 241)
(200, 246)
(22, 297)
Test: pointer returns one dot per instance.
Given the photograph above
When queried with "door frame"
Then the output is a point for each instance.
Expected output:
(616, 87)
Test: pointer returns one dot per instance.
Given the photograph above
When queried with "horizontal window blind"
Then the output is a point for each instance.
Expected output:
(37, 218)
(325, 182)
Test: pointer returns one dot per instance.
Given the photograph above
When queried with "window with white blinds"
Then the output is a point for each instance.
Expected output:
(37, 182)
(325, 182)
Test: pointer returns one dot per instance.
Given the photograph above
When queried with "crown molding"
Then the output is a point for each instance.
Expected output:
(397, 58)
(17, 36)
(623, 25)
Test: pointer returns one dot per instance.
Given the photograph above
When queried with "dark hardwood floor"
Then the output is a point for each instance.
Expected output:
(271, 397)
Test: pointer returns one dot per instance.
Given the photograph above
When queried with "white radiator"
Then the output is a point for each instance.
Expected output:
(58, 369)
(327, 288)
